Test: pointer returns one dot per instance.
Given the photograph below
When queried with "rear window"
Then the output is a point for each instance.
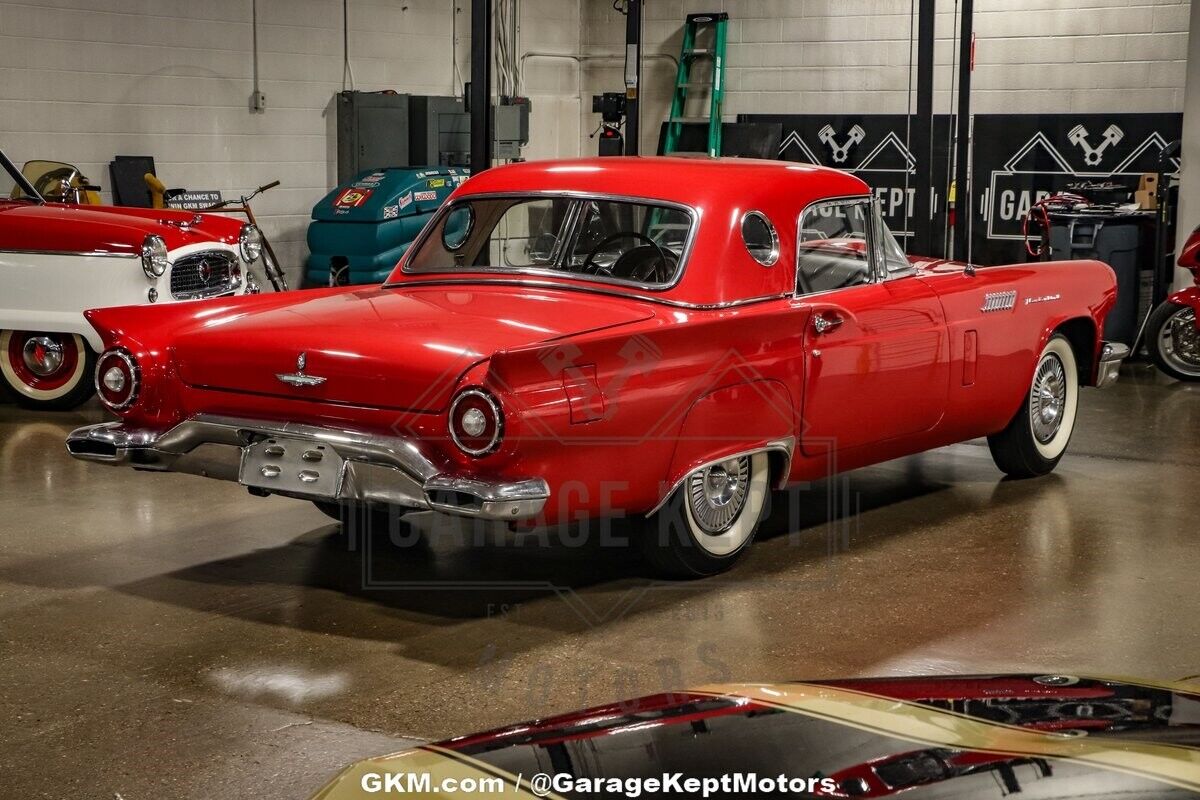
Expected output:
(623, 241)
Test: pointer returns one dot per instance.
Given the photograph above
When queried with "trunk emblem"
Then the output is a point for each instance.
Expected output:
(298, 378)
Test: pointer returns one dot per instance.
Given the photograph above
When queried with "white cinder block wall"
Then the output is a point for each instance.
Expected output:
(85, 80)
(824, 56)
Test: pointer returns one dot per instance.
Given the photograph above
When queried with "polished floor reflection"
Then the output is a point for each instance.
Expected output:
(169, 636)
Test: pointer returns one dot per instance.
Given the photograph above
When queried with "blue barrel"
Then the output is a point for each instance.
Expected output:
(360, 230)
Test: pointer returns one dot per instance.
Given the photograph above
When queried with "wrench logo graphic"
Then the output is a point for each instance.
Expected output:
(1092, 155)
(841, 151)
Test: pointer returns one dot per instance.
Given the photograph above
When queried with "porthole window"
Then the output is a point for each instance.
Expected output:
(762, 243)
(457, 227)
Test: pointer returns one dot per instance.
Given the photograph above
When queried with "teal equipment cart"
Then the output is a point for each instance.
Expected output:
(360, 230)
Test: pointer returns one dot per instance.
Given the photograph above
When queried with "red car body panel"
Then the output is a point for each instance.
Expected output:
(612, 394)
(61, 227)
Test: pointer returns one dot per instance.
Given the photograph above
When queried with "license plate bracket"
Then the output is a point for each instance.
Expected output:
(296, 466)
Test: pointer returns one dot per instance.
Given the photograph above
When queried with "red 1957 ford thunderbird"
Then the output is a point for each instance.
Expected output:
(659, 338)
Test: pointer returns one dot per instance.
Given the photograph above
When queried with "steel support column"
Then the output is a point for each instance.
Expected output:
(964, 199)
(922, 132)
(633, 77)
(481, 85)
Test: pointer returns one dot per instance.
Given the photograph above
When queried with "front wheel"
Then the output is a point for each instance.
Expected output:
(1174, 341)
(710, 520)
(47, 371)
(1037, 437)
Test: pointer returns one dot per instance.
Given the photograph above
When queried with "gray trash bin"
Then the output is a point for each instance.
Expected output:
(1117, 240)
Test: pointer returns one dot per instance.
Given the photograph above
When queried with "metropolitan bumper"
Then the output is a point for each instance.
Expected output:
(1109, 367)
(363, 468)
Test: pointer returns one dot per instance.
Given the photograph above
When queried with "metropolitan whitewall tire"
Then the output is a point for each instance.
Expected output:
(46, 370)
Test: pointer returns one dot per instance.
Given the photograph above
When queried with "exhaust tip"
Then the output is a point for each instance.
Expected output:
(92, 449)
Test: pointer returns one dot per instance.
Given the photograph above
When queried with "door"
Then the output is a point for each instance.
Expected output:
(876, 346)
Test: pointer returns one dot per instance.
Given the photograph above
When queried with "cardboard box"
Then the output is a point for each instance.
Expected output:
(1146, 199)
(1148, 182)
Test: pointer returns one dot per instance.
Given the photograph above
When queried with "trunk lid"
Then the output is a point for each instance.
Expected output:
(384, 348)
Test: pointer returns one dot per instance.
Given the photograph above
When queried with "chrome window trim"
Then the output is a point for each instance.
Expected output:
(885, 273)
(872, 254)
(774, 258)
(470, 228)
(544, 284)
(684, 256)
(81, 253)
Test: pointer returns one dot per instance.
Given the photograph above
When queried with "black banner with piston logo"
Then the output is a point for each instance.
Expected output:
(1017, 160)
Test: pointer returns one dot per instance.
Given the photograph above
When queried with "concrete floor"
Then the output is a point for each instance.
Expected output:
(166, 636)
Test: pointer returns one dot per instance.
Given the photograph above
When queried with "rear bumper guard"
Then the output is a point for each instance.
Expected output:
(1112, 354)
(371, 469)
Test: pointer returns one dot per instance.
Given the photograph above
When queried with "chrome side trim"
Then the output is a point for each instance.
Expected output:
(786, 445)
(88, 253)
(999, 301)
(378, 469)
(1108, 369)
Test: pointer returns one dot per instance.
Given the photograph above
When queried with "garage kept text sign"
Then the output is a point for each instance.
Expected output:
(1021, 158)
(873, 147)
(1017, 159)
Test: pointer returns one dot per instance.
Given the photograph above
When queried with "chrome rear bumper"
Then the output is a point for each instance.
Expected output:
(370, 469)
(1109, 366)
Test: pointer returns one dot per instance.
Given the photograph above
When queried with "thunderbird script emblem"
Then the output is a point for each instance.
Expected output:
(298, 378)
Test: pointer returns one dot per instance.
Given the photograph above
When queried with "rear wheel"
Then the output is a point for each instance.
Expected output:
(710, 520)
(1174, 341)
(1037, 437)
(45, 370)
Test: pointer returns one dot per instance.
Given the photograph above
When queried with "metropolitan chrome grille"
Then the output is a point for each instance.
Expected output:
(207, 274)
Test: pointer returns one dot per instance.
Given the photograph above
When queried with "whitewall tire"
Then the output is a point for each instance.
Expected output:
(1037, 437)
(710, 520)
(46, 370)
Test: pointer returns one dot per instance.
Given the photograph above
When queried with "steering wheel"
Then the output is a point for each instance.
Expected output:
(638, 271)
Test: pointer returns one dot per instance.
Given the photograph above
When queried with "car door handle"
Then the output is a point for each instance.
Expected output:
(824, 323)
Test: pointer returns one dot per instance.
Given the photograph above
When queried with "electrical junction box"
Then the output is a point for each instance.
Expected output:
(439, 131)
(372, 132)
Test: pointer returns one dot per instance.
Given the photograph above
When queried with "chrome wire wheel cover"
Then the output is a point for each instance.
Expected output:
(1179, 341)
(717, 494)
(1048, 400)
(43, 356)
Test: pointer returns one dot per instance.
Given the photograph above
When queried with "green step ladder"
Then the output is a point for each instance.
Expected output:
(717, 22)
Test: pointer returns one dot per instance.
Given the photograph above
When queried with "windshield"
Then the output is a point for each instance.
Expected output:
(626, 241)
(13, 184)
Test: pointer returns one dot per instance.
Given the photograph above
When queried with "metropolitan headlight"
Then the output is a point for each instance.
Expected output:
(251, 243)
(154, 256)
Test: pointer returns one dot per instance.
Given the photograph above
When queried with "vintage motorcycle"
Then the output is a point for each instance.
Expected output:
(1172, 329)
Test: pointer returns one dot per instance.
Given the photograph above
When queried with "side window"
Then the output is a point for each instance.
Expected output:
(529, 233)
(894, 259)
(833, 246)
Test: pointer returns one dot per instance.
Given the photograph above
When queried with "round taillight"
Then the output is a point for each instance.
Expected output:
(476, 424)
(118, 379)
